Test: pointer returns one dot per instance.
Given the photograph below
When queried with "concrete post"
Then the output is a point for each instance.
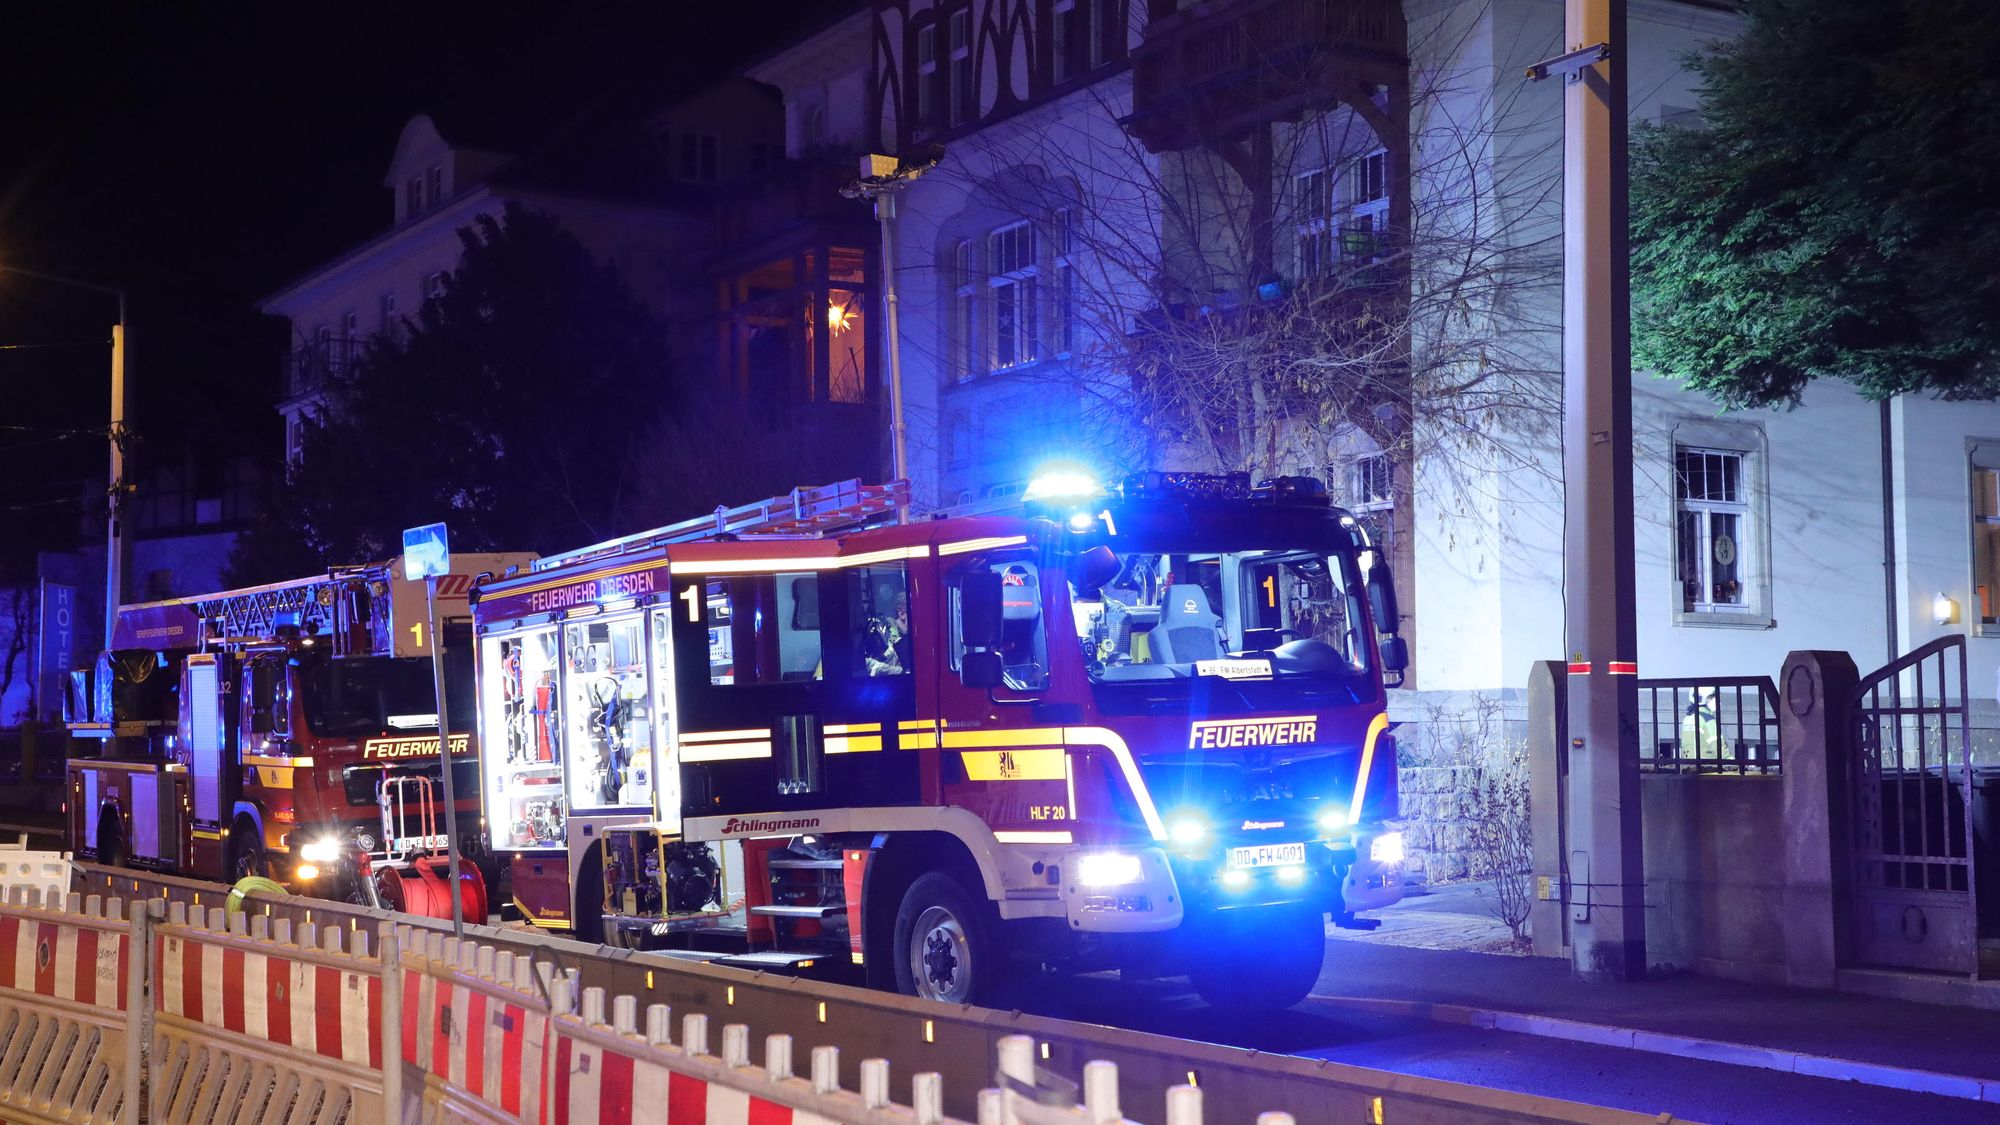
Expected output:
(138, 1012)
(1548, 769)
(391, 954)
(1816, 730)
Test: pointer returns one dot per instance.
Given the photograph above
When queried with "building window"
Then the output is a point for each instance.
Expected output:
(1986, 540)
(1012, 282)
(1712, 530)
(959, 93)
(436, 185)
(1065, 282)
(1315, 223)
(926, 113)
(698, 157)
(385, 307)
(434, 285)
(964, 312)
(1098, 17)
(1365, 199)
(815, 126)
(413, 197)
(1062, 41)
(1370, 493)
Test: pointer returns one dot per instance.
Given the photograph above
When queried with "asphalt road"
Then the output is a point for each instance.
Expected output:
(1691, 1089)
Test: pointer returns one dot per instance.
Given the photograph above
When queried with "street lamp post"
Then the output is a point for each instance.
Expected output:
(881, 177)
(114, 540)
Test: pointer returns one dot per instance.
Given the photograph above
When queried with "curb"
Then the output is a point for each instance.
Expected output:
(1683, 1046)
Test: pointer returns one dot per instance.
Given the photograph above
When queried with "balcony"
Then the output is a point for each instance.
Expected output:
(1207, 71)
(311, 366)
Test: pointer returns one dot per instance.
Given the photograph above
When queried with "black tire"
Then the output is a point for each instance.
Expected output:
(947, 944)
(247, 856)
(587, 912)
(1260, 960)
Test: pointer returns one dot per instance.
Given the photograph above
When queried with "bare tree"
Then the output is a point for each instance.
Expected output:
(17, 609)
(1281, 290)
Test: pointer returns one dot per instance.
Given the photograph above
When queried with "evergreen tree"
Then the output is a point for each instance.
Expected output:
(1839, 214)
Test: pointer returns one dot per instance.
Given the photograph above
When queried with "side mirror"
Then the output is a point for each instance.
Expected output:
(980, 668)
(1382, 596)
(1395, 654)
(982, 609)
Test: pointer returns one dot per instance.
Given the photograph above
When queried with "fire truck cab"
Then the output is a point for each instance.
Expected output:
(1140, 729)
(286, 730)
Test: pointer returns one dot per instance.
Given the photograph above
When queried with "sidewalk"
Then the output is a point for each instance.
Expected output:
(1894, 1043)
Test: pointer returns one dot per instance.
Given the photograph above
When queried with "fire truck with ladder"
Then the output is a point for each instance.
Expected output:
(286, 731)
(1140, 728)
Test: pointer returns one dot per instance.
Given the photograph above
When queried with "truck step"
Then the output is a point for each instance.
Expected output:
(798, 911)
(805, 865)
(768, 960)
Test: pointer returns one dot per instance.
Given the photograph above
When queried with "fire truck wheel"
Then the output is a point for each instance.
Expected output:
(1263, 960)
(246, 851)
(946, 947)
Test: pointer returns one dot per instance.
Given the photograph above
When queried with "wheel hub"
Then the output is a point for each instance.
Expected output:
(940, 956)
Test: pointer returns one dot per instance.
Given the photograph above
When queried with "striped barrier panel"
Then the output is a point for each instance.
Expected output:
(251, 1023)
(66, 990)
(475, 1025)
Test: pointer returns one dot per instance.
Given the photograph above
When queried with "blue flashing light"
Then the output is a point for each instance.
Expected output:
(1081, 522)
(1187, 830)
(1332, 822)
(1062, 483)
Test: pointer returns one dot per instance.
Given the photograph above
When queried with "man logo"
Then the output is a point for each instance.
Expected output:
(1007, 767)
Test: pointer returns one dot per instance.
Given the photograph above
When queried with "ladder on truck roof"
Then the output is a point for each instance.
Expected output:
(800, 513)
(256, 612)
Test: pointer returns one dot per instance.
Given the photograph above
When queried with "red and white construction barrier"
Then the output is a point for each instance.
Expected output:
(79, 954)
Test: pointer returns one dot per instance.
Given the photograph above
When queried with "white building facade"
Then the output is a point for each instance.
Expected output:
(1069, 210)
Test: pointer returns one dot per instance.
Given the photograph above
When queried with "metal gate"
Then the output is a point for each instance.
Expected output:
(1913, 901)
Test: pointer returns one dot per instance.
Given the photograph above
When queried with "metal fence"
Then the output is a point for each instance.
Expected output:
(1709, 724)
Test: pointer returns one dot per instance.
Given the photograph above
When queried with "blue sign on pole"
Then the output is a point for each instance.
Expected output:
(426, 552)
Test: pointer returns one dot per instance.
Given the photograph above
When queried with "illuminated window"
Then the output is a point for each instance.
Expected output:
(1012, 285)
(1712, 530)
(763, 629)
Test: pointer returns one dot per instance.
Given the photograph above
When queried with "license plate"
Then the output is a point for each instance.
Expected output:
(410, 843)
(1267, 855)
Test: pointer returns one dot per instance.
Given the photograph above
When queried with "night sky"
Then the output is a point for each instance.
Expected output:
(199, 156)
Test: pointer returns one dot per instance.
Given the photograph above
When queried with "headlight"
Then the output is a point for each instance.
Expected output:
(1386, 848)
(1108, 869)
(307, 871)
(1187, 831)
(1332, 822)
(321, 851)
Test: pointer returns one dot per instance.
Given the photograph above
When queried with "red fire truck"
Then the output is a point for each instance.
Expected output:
(287, 730)
(1139, 729)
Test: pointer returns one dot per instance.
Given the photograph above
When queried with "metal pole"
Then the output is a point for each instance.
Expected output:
(114, 540)
(444, 758)
(1608, 909)
(885, 212)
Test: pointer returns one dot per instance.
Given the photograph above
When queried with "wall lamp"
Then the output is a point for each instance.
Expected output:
(1944, 610)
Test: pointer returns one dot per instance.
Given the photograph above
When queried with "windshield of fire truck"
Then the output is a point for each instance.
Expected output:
(1253, 618)
(358, 695)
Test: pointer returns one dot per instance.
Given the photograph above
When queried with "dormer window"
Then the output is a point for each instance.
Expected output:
(436, 175)
(413, 197)
(698, 157)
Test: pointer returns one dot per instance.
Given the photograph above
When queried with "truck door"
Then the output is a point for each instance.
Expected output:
(209, 732)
